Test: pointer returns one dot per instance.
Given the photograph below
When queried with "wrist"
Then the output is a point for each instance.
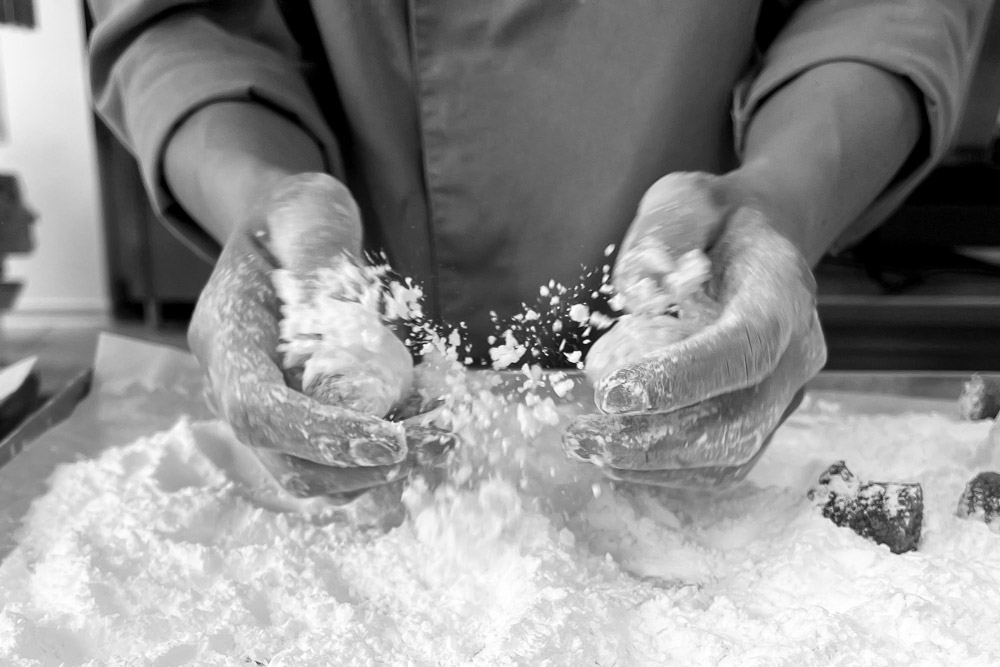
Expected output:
(224, 158)
(824, 145)
(795, 213)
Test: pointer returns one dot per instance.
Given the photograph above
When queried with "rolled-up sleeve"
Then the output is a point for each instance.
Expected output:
(931, 43)
(155, 62)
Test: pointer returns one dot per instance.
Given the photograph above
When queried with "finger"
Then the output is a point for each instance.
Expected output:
(306, 479)
(311, 220)
(271, 416)
(429, 446)
(414, 407)
(725, 430)
(679, 214)
(766, 295)
(703, 477)
(685, 211)
(235, 336)
(213, 404)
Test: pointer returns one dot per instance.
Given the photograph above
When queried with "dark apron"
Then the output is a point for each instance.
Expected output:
(495, 145)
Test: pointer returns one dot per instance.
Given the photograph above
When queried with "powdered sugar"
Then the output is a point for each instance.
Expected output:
(157, 554)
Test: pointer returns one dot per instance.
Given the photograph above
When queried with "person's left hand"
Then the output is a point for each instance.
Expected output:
(310, 448)
(701, 411)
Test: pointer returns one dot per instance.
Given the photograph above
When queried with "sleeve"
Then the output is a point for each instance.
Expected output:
(931, 43)
(155, 62)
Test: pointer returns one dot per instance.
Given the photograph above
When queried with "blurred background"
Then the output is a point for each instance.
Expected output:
(81, 251)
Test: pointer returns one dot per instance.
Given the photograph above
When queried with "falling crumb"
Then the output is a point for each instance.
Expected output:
(600, 321)
(507, 353)
(562, 385)
(579, 313)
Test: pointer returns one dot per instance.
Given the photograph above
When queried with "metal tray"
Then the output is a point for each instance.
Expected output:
(137, 389)
(53, 411)
(882, 392)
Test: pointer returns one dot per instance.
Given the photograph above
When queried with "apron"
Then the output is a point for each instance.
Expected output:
(495, 145)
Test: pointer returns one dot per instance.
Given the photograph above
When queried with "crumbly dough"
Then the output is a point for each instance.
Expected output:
(348, 355)
(653, 282)
(664, 300)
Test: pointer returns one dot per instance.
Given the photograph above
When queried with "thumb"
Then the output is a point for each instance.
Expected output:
(680, 213)
(311, 220)
(685, 211)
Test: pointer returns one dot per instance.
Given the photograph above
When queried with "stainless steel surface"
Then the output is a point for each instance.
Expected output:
(146, 389)
(941, 386)
(52, 412)
(871, 392)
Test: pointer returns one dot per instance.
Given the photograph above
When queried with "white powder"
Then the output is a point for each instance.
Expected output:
(153, 555)
(579, 313)
(507, 353)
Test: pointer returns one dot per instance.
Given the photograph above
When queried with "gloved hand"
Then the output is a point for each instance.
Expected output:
(701, 411)
(310, 448)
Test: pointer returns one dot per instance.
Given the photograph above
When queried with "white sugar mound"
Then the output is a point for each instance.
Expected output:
(153, 555)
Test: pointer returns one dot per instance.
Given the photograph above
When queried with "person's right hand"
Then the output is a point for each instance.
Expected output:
(310, 448)
(699, 410)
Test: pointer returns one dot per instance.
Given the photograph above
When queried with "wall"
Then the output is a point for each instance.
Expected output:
(48, 140)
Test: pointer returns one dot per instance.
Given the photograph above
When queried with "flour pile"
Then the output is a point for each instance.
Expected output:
(174, 550)
(153, 555)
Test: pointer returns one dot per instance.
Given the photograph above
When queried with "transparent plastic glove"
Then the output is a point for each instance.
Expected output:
(699, 412)
(310, 448)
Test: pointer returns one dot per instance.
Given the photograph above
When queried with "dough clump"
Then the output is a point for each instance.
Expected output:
(981, 499)
(333, 332)
(885, 513)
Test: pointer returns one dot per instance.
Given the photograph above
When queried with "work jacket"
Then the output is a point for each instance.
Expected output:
(497, 145)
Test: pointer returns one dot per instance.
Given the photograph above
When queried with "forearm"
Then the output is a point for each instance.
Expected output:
(228, 154)
(824, 146)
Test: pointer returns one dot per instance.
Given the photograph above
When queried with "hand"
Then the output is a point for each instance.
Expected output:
(700, 412)
(310, 448)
